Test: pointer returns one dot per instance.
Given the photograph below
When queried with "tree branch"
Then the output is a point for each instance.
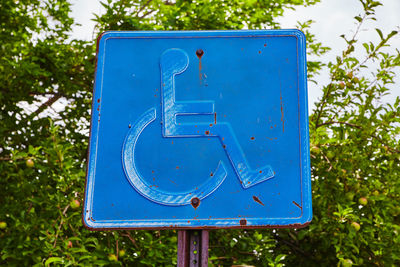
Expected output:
(340, 122)
(130, 238)
(142, 8)
(46, 104)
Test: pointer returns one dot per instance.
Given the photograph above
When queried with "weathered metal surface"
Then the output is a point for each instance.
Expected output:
(183, 248)
(199, 130)
(193, 248)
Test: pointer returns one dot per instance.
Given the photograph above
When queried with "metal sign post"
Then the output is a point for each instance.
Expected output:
(199, 130)
(193, 248)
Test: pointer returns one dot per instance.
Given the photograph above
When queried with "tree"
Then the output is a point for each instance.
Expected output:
(355, 143)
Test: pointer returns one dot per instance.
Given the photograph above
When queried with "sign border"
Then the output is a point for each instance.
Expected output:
(218, 223)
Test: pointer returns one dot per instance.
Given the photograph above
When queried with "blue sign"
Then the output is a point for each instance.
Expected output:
(199, 130)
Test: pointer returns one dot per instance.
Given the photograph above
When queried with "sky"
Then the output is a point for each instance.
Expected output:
(332, 18)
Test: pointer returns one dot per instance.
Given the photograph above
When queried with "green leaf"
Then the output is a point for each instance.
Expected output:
(52, 260)
(380, 33)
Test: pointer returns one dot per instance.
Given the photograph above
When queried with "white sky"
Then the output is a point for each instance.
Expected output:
(332, 18)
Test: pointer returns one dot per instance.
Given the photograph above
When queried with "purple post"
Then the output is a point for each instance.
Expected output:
(193, 248)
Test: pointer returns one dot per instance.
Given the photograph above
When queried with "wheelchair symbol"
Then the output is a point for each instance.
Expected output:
(173, 62)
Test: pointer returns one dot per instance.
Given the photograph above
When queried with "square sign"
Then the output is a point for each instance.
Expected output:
(199, 130)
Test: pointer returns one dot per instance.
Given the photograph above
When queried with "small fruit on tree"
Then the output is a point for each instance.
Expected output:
(30, 163)
(3, 225)
(75, 204)
(341, 85)
(347, 263)
(363, 201)
(121, 253)
(315, 149)
(356, 226)
(330, 155)
(112, 257)
(350, 75)
(350, 196)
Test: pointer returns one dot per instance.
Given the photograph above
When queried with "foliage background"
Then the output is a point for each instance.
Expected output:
(355, 145)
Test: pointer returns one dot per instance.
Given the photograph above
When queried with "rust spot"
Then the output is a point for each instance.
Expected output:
(224, 146)
(172, 142)
(177, 167)
(154, 179)
(188, 221)
(92, 219)
(129, 126)
(195, 202)
(199, 54)
(260, 171)
(211, 124)
(256, 199)
(98, 100)
(265, 45)
(152, 171)
(155, 95)
(211, 174)
(297, 204)
(259, 52)
(207, 132)
(252, 138)
(243, 222)
(215, 118)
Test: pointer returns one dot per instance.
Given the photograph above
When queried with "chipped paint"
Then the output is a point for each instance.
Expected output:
(297, 204)
(256, 199)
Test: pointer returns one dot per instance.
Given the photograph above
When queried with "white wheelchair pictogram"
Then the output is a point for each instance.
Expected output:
(174, 62)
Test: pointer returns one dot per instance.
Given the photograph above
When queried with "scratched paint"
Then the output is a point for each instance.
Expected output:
(257, 199)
